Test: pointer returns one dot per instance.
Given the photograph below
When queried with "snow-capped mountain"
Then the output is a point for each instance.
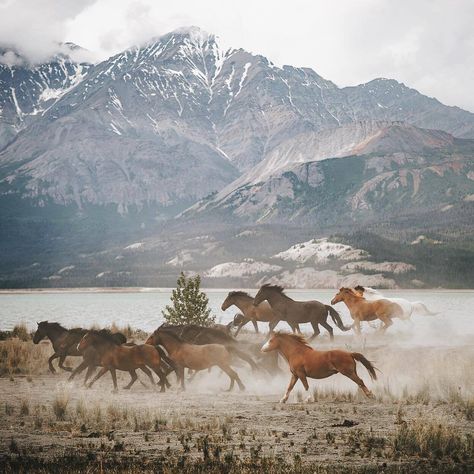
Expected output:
(28, 90)
(180, 117)
(181, 127)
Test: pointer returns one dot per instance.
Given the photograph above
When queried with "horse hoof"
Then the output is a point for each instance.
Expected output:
(114, 390)
(242, 389)
(283, 400)
(125, 388)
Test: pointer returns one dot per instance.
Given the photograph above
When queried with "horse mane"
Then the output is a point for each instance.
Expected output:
(359, 288)
(116, 338)
(300, 339)
(277, 288)
(53, 325)
(238, 293)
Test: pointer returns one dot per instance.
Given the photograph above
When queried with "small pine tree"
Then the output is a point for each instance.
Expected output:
(189, 304)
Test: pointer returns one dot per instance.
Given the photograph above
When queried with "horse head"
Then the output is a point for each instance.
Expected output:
(41, 332)
(340, 295)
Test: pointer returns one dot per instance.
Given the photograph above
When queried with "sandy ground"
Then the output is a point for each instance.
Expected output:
(341, 428)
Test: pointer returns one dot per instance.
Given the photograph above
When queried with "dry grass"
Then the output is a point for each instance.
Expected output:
(23, 357)
(433, 440)
(60, 403)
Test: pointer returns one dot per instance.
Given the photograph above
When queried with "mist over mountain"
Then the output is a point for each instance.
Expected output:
(180, 135)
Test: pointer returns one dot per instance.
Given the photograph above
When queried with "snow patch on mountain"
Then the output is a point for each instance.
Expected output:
(308, 277)
(248, 267)
(320, 250)
(385, 267)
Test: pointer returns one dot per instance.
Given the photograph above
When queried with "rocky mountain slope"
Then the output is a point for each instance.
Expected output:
(386, 170)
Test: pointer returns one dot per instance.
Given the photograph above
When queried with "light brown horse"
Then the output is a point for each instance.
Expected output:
(363, 310)
(193, 356)
(262, 313)
(115, 356)
(304, 361)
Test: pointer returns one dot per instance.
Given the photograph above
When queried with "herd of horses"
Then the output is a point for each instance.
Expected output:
(176, 348)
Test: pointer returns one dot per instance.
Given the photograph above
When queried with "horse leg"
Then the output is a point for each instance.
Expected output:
(352, 374)
(114, 379)
(78, 369)
(293, 380)
(329, 329)
(387, 323)
(315, 329)
(233, 377)
(99, 374)
(147, 372)
(89, 372)
(356, 326)
(134, 376)
(272, 325)
(180, 374)
(240, 326)
(161, 376)
(302, 376)
(255, 325)
(50, 360)
(61, 364)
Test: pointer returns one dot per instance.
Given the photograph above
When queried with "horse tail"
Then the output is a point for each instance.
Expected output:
(420, 308)
(242, 355)
(366, 363)
(165, 358)
(337, 318)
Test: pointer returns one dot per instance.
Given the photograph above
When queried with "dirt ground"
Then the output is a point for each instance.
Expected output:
(421, 420)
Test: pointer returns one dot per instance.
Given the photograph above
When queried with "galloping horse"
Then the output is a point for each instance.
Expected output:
(304, 361)
(91, 358)
(193, 356)
(408, 307)
(363, 310)
(115, 356)
(296, 312)
(64, 342)
(194, 334)
(263, 312)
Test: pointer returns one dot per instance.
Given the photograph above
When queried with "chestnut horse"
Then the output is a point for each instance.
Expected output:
(193, 356)
(304, 361)
(263, 312)
(363, 310)
(64, 342)
(115, 356)
(297, 312)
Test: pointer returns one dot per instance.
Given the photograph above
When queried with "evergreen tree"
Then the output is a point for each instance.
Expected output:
(189, 304)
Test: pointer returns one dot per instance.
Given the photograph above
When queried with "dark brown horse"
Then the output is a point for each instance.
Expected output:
(194, 356)
(304, 361)
(64, 342)
(195, 334)
(242, 300)
(297, 312)
(115, 356)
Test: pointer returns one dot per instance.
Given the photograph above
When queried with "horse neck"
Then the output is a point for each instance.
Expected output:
(244, 303)
(171, 344)
(276, 299)
(351, 301)
(54, 332)
(288, 349)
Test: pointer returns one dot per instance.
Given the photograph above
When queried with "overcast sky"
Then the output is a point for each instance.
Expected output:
(427, 44)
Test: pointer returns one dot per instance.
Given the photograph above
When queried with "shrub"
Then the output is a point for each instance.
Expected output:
(189, 304)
